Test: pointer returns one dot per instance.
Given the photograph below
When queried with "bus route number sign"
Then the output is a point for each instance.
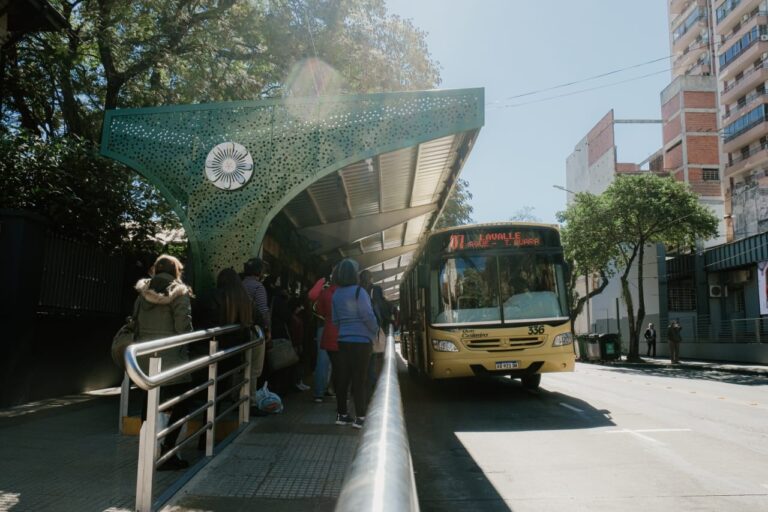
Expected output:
(493, 239)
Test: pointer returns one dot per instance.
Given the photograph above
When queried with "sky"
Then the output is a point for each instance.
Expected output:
(513, 47)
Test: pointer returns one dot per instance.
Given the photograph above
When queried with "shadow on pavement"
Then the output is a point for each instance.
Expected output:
(440, 416)
(689, 371)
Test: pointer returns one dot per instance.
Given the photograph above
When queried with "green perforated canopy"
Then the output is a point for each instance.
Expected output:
(360, 175)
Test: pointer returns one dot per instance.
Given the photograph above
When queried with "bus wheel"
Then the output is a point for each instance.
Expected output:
(531, 381)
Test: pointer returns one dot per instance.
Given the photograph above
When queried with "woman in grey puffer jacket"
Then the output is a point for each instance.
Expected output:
(164, 309)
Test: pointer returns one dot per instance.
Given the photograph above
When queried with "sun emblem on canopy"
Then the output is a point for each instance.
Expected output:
(229, 166)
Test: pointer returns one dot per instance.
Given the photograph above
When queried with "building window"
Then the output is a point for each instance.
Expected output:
(681, 299)
(738, 302)
(725, 9)
(745, 152)
(741, 45)
(745, 122)
(710, 174)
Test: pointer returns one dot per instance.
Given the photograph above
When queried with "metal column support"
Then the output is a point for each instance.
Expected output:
(148, 445)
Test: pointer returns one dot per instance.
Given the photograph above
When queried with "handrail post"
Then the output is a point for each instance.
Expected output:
(148, 444)
(245, 389)
(210, 414)
(125, 390)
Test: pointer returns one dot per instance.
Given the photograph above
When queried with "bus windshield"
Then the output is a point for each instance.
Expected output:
(495, 289)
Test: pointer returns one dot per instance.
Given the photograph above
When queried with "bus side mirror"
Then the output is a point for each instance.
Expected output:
(423, 276)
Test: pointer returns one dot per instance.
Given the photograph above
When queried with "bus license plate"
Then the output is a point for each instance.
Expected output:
(506, 365)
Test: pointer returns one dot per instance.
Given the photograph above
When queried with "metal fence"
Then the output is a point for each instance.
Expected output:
(381, 477)
(702, 329)
(80, 278)
(151, 434)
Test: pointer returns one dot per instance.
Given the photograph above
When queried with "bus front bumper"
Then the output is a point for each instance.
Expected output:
(456, 366)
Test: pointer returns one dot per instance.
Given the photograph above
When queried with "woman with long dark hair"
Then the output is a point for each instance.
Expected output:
(230, 304)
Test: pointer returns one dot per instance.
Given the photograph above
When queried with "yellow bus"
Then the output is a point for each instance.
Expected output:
(487, 299)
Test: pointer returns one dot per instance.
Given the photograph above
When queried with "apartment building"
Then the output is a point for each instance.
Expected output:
(689, 106)
(741, 31)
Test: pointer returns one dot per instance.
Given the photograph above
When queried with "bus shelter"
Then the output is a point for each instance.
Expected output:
(362, 176)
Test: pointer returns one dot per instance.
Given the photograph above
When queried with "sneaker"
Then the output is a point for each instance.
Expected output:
(330, 393)
(318, 399)
(301, 386)
(359, 422)
(343, 419)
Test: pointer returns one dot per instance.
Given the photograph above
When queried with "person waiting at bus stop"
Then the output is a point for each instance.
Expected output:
(353, 315)
(164, 309)
(650, 339)
(673, 335)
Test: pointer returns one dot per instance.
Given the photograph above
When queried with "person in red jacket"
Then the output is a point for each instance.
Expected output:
(321, 295)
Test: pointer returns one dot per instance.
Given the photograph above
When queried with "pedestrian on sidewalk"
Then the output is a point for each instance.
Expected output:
(321, 295)
(164, 309)
(353, 315)
(650, 339)
(673, 335)
(229, 303)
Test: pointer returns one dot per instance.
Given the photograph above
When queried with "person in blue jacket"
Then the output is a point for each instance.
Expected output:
(356, 321)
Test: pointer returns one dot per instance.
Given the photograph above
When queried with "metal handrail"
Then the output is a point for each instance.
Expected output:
(151, 433)
(381, 477)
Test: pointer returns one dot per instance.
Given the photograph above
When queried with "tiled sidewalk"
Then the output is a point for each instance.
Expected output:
(65, 455)
(295, 461)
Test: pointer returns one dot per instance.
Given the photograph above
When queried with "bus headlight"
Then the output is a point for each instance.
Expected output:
(444, 346)
(562, 340)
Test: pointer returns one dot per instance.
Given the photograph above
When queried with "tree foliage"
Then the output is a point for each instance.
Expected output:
(64, 180)
(525, 214)
(118, 53)
(457, 209)
(608, 233)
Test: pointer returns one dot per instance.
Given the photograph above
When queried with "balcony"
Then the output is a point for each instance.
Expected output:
(748, 134)
(751, 101)
(741, 53)
(746, 161)
(690, 29)
(744, 85)
(738, 8)
(746, 26)
(678, 7)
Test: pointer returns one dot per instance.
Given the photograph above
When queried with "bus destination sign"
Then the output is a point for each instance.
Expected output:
(493, 240)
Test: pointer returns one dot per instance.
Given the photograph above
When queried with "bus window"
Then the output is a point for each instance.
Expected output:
(468, 291)
(531, 287)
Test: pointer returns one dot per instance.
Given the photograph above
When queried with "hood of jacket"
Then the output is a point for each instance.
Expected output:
(161, 289)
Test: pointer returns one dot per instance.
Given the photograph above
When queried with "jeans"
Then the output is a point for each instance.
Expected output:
(322, 367)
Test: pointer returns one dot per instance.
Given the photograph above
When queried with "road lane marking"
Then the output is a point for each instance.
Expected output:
(639, 433)
(571, 407)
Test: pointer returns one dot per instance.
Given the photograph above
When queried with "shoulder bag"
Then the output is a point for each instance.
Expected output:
(125, 336)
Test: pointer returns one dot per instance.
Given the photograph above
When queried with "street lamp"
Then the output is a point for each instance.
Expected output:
(564, 189)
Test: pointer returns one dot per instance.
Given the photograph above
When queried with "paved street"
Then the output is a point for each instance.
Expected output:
(602, 438)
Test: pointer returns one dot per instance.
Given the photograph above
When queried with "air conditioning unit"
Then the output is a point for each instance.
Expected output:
(744, 18)
(764, 37)
(765, 55)
(717, 290)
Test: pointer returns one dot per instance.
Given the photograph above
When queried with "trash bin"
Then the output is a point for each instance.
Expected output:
(593, 347)
(610, 347)
(581, 344)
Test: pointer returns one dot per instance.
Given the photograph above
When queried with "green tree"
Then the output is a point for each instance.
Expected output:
(457, 210)
(525, 214)
(608, 233)
(120, 53)
(63, 180)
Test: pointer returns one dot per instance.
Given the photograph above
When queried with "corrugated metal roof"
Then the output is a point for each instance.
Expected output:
(386, 184)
